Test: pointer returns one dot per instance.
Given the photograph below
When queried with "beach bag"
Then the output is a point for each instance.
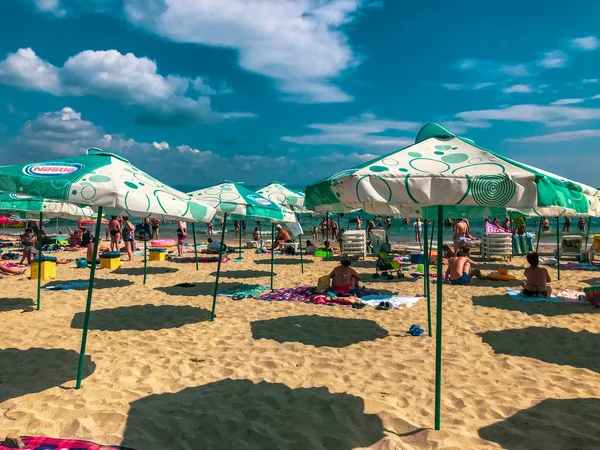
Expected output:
(81, 263)
(289, 251)
(323, 283)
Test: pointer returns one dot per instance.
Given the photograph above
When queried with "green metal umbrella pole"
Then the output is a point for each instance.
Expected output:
(587, 233)
(39, 284)
(272, 251)
(557, 248)
(438, 322)
(539, 236)
(145, 261)
(195, 245)
(88, 305)
(300, 248)
(260, 234)
(214, 305)
(327, 237)
(240, 245)
(426, 280)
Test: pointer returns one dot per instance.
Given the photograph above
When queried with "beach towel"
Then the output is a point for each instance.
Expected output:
(522, 244)
(396, 301)
(568, 265)
(67, 286)
(46, 443)
(491, 228)
(206, 260)
(247, 290)
(306, 294)
(571, 296)
(518, 295)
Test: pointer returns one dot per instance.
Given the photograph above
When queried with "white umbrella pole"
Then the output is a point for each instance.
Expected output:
(88, 305)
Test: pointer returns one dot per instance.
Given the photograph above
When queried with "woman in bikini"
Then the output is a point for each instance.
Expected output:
(181, 236)
(537, 277)
(128, 233)
(343, 278)
(114, 228)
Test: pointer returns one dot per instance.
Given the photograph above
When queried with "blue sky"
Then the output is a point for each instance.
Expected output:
(198, 91)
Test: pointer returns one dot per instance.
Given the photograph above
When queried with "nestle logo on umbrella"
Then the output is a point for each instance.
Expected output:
(19, 196)
(51, 169)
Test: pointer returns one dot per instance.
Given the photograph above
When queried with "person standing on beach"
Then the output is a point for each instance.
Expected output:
(581, 225)
(155, 225)
(128, 234)
(114, 228)
(358, 223)
(418, 226)
(324, 228)
(181, 236)
(460, 234)
(211, 227)
(370, 227)
(545, 224)
(315, 233)
(567, 224)
(388, 223)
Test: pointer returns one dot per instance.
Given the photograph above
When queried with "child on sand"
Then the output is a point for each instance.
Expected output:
(343, 278)
(537, 278)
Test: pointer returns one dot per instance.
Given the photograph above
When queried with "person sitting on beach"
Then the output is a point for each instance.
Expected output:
(537, 278)
(9, 270)
(310, 248)
(343, 278)
(215, 245)
(461, 268)
(282, 237)
(448, 252)
(506, 223)
(256, 235)
(75, 238)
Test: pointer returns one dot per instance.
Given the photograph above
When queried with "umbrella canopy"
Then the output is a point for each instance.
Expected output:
(281, 195)
(103, 179)
(30, 207)
(240, 203)
(444, 169)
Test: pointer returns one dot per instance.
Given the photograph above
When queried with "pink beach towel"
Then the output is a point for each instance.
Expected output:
(46, 443)
(491, 228)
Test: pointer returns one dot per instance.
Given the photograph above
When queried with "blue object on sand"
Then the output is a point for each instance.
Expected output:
(415, 330)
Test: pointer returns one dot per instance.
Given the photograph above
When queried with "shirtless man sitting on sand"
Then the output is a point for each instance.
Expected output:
(461, 268)
(343, 278)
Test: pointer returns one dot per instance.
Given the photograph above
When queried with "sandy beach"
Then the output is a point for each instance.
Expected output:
(277, 375)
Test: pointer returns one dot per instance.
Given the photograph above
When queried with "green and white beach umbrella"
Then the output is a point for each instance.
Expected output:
(108, 182)
(443, 175)
(240, 203)
(28, 207)
(103, 179)
(237, 202)
(281, 195)
(444, 169)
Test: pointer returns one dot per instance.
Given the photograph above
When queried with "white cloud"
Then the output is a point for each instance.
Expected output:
(364, 130)
(589, 80)
(65, 133)
(347, 159)
(586, 43)
(462, 126)
(550, 115)
(596, 97)
(564, 136)
(516, 70)
(110, 74)
(518, 89)
(300, 44)
(54, 7)
(553, 59)
(453, 86)
(568, 101)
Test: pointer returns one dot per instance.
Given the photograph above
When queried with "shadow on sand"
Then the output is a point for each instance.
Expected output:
(235, 414)
(552, 424)
(201, 288)
(14, 304)
(37, 369)
(142, 318)
(149, 270)
(552, 345)
(282, 261)
(318, 331)
(99, 283)
(506, 303)
(244, 274)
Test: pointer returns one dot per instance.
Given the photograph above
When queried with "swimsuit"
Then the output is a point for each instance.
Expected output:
(530, 293)
(462, 281)
(114, 232)
(342, 289)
